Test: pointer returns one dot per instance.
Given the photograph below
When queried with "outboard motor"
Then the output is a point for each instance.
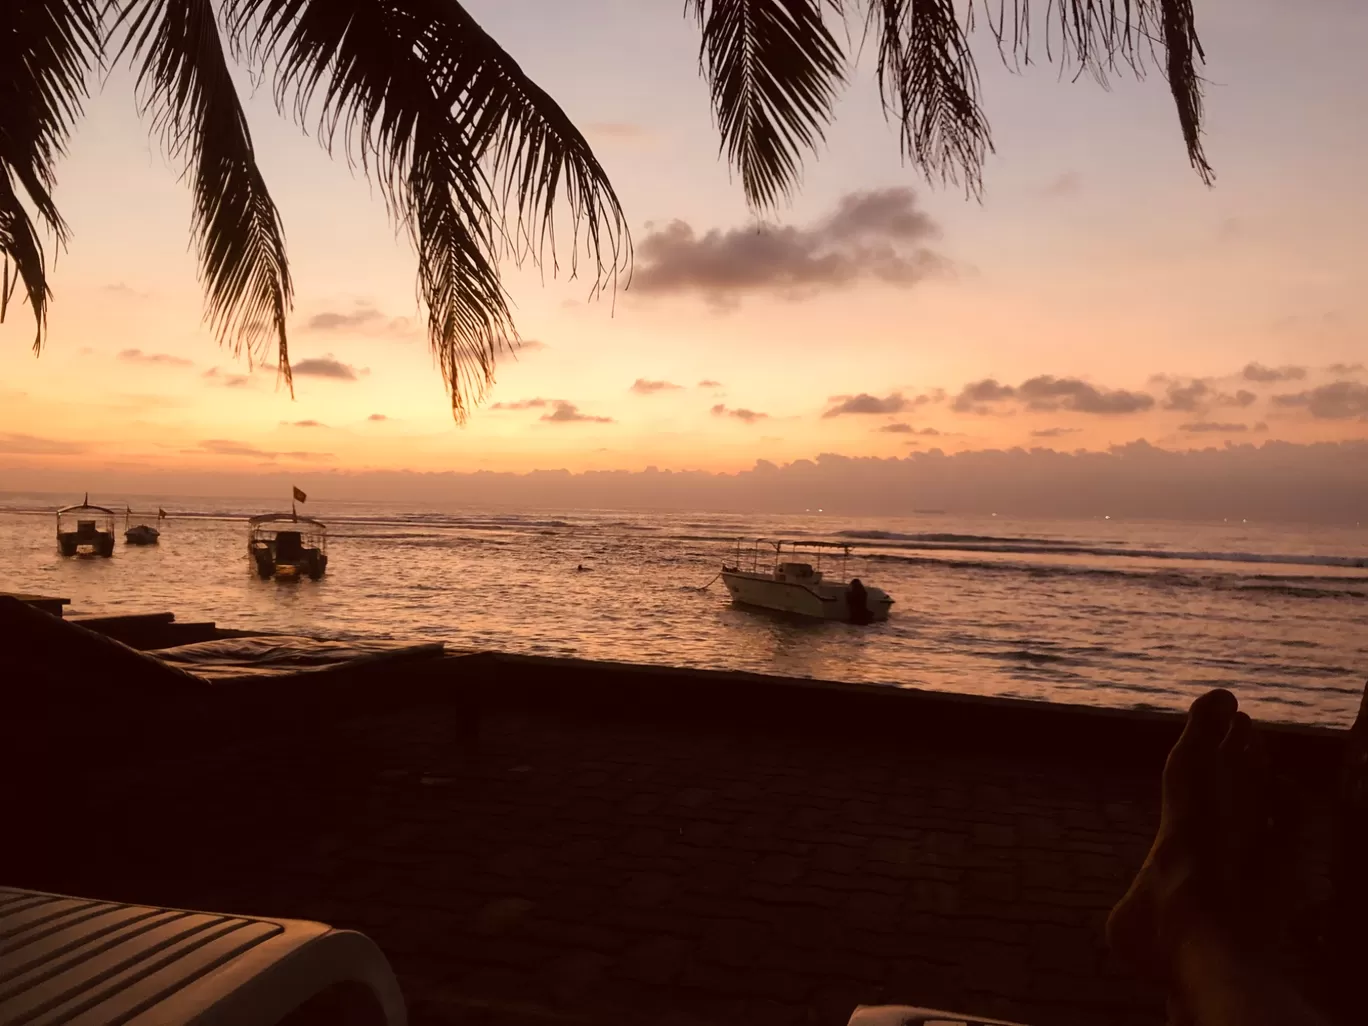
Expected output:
(857, 601)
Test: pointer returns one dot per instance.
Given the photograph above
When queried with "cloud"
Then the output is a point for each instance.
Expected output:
(227, 380)
(360, 320)
(643, 387)
(618, 131)
(327, 367)
(165, 359)
(525, 404)
(1345, 369)
(1337, 401)
(1070, 183)
(377, 416)
(864, 403)
(228, 447)
(1258, 372)
(897, 429)
(1198, 396)
(568, 413)
(1054, 432)
(125, 290)
(512, 350)
(709, 383)
(16, 444)
(1045, 392)
(743, 415)
(1211, 427)
(877, 236)
(303, 423)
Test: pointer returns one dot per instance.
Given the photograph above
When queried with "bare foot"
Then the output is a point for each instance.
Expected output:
(1205, 866)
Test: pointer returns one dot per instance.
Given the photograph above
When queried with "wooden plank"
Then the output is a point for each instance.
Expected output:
(47, 603)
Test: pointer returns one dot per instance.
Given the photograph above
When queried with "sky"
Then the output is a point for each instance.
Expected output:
(1097, 296)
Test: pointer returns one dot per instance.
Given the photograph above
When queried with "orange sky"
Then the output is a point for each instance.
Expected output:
(1096, 264)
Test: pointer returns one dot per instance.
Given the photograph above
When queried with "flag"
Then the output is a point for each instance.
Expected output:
(161, 512)
(300, 496)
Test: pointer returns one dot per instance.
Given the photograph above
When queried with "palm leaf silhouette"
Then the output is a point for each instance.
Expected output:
(473, 159)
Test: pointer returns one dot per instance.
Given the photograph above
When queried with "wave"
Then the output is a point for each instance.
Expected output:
(948, 538)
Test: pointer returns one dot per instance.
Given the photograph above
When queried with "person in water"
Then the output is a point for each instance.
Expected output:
(1199, 915)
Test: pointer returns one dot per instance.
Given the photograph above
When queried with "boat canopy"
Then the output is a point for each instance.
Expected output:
(264, 519)
(780, 543)
(85, 505)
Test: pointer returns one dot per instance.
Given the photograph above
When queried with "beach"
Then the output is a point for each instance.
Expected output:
(1116, 614)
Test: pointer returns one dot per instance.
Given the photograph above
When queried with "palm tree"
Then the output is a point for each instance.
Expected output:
(471, 156)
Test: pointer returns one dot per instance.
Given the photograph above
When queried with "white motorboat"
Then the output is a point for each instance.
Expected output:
(793, 585)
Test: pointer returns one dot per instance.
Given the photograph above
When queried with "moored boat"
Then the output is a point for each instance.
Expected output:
(91, 535)
(141, 534)
(287, 545)
(792, 585)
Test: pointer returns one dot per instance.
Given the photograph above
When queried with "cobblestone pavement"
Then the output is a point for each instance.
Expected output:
(592, 871)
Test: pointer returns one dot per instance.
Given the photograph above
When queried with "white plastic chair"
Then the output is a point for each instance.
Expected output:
(92, 963)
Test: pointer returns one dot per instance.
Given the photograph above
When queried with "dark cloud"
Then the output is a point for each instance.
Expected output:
(164, 359)
(1258, 372)
(875, 236)
(1345, 368)
(1054, 432)
(709, 383)
(226, 379)
(360, 320)
(303, 423)
(864, 403)
(643, 387)
(327, 367)
(1198, 396)
(17, 444)
(377, 416)
(1046, 392)
(1200, 427)
(1337, 401)
(897, 429)
(568, 413)
(989, 390)
(747, 416)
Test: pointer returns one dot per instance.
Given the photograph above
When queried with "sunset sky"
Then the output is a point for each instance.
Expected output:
(1098, 295)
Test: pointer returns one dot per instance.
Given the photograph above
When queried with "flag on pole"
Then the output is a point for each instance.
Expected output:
(161, 512)
(300, 496)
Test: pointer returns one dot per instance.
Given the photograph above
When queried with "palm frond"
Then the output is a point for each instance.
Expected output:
(184, 82)
(470, 154)
(47, 50)
(928, 79)
(1101, 37)
(773, 68)
(19, 243)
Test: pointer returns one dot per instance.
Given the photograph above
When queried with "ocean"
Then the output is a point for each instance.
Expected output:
(1098, 612)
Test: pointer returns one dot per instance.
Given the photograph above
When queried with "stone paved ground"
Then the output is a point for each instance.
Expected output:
(593, 871)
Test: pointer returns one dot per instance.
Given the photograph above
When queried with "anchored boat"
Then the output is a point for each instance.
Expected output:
(287, 545)
(141, 534)
(92, 533)
(793, 585)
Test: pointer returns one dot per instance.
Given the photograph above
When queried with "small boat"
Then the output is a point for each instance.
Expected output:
(141, 534)
(792, 585)
(287, 545)
(93, 534)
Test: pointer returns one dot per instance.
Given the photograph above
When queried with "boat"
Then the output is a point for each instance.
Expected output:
(287, 545)
(93, 534)
(141, 534)
(791, 584)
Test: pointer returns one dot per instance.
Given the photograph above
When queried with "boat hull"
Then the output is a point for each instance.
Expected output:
(142, 535)
(819, 602)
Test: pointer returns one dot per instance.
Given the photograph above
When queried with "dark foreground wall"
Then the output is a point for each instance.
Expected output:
(550, 840)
